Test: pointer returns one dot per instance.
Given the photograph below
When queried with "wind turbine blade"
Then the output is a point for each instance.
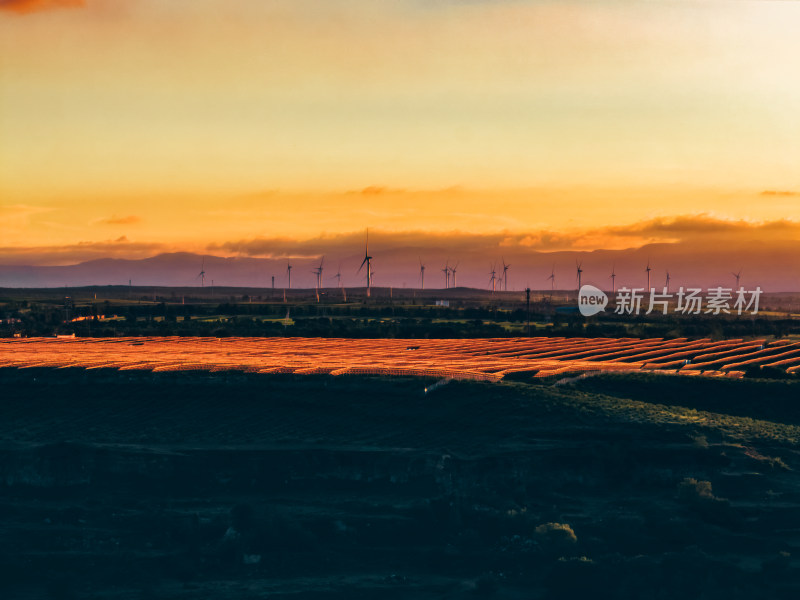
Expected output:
(362, 265)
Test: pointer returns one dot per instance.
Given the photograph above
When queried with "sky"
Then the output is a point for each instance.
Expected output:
(260, 127)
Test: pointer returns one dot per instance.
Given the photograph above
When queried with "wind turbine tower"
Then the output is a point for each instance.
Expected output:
(613, 280)
(453, 270)
(666, 283)
(579, 271)
(367, 261)
(202, 274)
(289, 273)
(552, 279)
(493, 278)
(737, 276)
(338, 276)
(648, 269)
(421, 274)
(446, 272)
(318, 273)
(505, 274)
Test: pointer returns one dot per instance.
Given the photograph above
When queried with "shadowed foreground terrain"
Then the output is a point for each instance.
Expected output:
(142, 485)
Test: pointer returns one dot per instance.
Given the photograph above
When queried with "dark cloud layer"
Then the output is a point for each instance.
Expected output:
(82, 251)
(697, 229)
(691, 226)
(697, 250)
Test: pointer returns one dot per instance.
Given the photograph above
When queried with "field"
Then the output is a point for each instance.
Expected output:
(135, 484)
(150, 468)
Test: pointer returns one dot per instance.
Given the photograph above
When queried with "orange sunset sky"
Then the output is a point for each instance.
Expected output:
(129, 128)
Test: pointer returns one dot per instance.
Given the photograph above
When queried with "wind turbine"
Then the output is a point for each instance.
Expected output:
(367, 261)
(666, 284)
(737, 276)
(579, 271)
(493, 277)
(453, 270)
(422, 274)
(289, 273)
(318, 272)
(338, 276)
(202, 274)
(613, 277)
(505, 274)
(552, 279)
(446, 272)
(648, 269)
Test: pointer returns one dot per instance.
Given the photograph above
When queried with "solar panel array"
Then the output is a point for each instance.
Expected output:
(478, 359)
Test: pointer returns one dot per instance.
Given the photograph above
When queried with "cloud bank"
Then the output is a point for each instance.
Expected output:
(689, 233)
(69, 254)
(697, 230)
(115, 220)
(30, 6)
(696, 249)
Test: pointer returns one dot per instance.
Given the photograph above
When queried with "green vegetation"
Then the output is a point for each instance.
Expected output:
(231, 485)
(766, 400)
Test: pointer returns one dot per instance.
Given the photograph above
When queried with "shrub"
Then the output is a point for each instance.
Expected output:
(692, 490)
(556, 535)
(700, 499)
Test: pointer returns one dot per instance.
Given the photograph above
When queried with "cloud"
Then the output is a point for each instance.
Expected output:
(20, 211)
(698, 250)
(700, 230)
(115, 220)
(376, 190)
(695, 233)
(15, 217)
(685, 227)
(29, 6)
(70, 254)
(779, 193)
(354, 242)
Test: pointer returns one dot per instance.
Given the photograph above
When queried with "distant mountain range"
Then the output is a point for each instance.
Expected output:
(772, 266)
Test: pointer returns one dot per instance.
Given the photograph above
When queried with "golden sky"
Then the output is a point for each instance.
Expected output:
(189, 124)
